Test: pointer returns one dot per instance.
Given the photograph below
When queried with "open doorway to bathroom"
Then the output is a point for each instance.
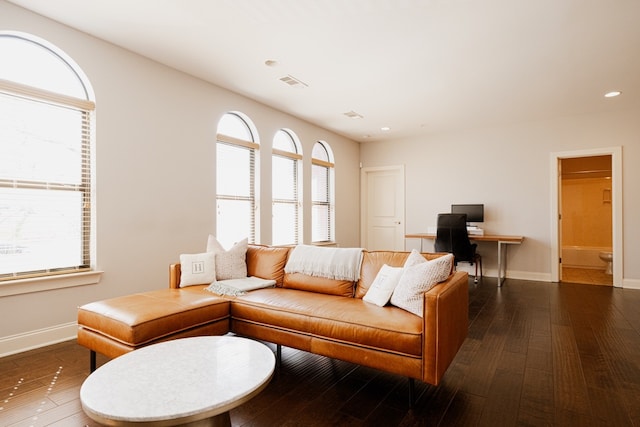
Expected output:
(615, 154)
(586, 232)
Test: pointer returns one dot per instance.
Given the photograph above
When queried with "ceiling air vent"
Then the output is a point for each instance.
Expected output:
(353, 115)
(293, 82)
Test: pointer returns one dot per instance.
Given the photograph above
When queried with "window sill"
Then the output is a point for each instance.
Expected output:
(39, 284)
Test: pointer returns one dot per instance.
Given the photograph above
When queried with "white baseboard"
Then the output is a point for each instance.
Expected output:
(39, 338)
(528, 275)
(631, 283)
(511, 274)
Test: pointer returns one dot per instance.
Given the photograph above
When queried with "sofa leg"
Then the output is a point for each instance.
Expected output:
(278, 354)
(412, 392)
(92, 360)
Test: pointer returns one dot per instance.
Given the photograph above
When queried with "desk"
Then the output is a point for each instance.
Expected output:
(180, 382)
(502, 248)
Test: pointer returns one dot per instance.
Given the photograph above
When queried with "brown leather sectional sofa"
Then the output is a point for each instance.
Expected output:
(319, 315)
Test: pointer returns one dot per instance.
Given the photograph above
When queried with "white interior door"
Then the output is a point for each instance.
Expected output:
(382, 204)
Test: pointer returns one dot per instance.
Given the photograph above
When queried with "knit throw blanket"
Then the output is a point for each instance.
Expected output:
(332, 263)
(235, 287)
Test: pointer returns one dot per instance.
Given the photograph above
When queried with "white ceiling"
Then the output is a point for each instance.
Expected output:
(415, 66)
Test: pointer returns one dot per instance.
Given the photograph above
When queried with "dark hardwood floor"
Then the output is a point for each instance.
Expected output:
(538, 354)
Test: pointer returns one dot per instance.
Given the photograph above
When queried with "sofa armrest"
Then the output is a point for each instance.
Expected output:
(446, 325)
(174, 276)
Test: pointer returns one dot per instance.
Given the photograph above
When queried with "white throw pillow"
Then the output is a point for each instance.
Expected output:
(414, 258)
(418, 279)
(197, 269)
(231, 264)
(383, 285)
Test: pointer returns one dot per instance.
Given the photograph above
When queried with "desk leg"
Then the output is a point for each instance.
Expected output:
(502, 262)
(501, 267)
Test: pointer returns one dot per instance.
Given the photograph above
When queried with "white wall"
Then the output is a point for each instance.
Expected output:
(155, 175)
(508, 169)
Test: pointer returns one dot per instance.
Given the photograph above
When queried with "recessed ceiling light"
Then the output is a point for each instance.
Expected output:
(385, 128)
(612, 94)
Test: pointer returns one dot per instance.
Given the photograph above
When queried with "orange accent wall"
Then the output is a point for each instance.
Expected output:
(586, 212)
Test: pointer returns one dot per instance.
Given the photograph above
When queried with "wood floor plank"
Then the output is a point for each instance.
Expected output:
(519, 332)
(47, 417)
(629, 400)
(537, 406)
(487, 359)
(431, 406)
(14, 412)
(569, 384)
(503, 400)
(364, 402)
(604, 407)
(541, 360)
(464, 410)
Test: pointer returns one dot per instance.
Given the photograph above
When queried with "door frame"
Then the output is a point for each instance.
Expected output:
(364, 187)
(616, 206)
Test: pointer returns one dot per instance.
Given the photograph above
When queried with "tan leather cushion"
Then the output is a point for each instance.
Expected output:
(320, 285)
(337, 318)
(372, 262)
(267, 262)
(139, 318)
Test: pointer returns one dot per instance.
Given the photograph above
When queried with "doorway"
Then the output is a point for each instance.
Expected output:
(587, 216)
(585, 220)
(382, 202)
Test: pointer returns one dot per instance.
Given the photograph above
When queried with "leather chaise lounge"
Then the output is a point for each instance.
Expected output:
(319, 315)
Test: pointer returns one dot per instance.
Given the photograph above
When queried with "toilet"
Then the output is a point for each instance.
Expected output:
(608, 258)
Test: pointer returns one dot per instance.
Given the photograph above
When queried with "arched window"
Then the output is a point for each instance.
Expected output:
(286, 157)
(322, 193)
(236, 151)
(46, 127)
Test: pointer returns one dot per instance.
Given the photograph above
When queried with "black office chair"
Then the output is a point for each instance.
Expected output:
(452, 237)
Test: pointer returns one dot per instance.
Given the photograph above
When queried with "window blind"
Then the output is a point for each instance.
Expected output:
(286, 206)
(321, 203)
(236, 192)
(45, 182)
(321, 194)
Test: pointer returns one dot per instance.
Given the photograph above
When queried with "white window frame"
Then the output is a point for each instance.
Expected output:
(328, 203)
(294, 156)
(252, 146)
(19, 282)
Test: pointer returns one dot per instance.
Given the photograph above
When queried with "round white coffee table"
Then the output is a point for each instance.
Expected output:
(192, 381)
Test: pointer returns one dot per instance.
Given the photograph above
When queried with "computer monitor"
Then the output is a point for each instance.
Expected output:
(475, 212)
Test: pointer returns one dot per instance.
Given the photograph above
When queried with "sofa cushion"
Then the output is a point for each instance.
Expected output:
(267, 262)
(140, 318)
(232, 263)
(418, 279)
(321, 285)
(372, 262)
(380, 291)
(414, 258)
(333, 318)
(197, 269)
